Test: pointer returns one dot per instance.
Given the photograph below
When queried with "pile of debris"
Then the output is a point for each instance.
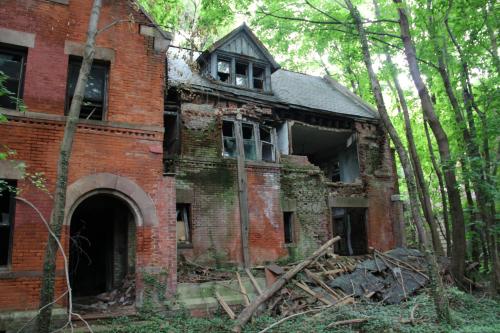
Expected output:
(109, 301)
(190, 272)
(326, 280)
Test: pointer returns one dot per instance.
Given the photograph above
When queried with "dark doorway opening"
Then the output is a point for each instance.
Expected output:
(350, 225)
(102, 250)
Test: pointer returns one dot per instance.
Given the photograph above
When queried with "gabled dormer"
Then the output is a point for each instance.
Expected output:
(239, 59)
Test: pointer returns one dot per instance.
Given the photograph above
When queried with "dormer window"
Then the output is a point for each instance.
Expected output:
(239, 59)
(242, 74)
(224, 70)
(258, 77)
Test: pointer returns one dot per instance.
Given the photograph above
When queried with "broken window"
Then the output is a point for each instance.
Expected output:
(12, 65)
(335, 151)
(350, 225)
(249, 141)
(267, 144)
(242, 75)
(95, 97)
(183, 224)
(288, 227)
(258, 77)
(7, 203)
(224, 70)
(229, 139)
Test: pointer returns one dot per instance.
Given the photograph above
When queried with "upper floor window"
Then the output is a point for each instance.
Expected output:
(95, 98)
(12, 65)
(257, 140)
(240, 72)
(7, 203)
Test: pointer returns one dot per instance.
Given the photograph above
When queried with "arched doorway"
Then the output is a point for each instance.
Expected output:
(102, 247)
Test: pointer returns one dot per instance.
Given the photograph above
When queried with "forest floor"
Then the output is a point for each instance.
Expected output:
(471, 313)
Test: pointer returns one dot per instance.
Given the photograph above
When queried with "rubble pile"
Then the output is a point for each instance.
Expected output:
(109, 301)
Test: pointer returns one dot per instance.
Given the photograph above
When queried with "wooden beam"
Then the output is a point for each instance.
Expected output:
(243, 194)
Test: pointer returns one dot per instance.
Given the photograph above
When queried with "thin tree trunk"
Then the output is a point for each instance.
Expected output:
(492, 34)
(457, 214)
(57, 216)
(440, 300)
(444, 199)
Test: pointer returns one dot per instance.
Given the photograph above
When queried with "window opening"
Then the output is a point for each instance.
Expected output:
(242, 74)
(249, 141)
(7, 204)
(258, 77)
(12, 65)
(94, 100)
(267, 144)
(224, 70)
(288, 227)
(183, 223)
(229, 139)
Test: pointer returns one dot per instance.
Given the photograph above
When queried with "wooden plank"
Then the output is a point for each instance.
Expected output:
(224, 305)
(254, 282)
(243, 194)
(312, 293)
(243, 290)
(247, 313)
(323, 285)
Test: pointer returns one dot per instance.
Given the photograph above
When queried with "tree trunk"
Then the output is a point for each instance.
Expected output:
(57, 216)
(440, 300)
(444, 200)
(480, 176)
(457, 214)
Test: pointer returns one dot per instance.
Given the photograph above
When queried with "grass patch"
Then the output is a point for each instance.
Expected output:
(471, 314)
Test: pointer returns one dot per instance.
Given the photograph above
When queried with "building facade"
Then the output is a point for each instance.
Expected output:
(225, 160)
(120, 207)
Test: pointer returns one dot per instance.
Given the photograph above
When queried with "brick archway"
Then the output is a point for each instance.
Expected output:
(140, 203)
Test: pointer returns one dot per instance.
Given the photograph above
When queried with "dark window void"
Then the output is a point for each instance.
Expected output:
(12, 66)
(350, 225)
(171, 139)
(229, 139)
(7, 204)
(288, 227)
(224, 70)
(258, 77)
(242, 74)
(183, 224)
(95, 98)
(334, 151)
(102, 251)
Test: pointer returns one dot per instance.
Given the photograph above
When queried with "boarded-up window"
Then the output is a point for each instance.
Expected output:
(7, 203)
(183, 223)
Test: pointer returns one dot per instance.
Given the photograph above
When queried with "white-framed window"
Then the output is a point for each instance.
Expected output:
(258, 141)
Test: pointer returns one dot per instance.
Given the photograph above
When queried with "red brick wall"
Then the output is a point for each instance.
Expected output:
(124, 148)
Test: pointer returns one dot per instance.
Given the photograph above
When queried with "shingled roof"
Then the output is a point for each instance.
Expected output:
(289, 90)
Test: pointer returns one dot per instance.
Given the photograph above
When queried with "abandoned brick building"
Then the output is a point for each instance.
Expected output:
(229, 159)
(317, 162)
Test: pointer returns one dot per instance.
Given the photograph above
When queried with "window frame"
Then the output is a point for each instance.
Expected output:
(100, 63)
(23, 52)
(256, 127)
(188, 225)
(292, 229)
(12, 213)
(233, 59)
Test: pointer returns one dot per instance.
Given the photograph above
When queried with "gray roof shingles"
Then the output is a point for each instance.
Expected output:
(288, 88)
